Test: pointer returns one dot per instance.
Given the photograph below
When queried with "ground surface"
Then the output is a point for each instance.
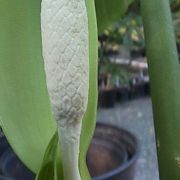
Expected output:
(136, 116)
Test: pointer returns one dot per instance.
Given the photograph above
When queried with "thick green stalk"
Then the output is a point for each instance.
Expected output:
(164, 72)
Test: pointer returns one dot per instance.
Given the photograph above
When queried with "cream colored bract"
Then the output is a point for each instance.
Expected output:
(65, 50)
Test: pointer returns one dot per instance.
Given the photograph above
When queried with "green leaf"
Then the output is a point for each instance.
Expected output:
(48, 168)
(110, 11)
(25, 113)
(89, 119)
(164, 69)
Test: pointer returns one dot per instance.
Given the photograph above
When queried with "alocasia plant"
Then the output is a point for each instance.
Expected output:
(69, 37)
(25, 112)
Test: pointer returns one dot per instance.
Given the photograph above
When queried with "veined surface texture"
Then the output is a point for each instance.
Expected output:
(64, 26)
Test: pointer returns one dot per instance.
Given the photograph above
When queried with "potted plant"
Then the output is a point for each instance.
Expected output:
(107, 93)
(123, 87)
(113, 84)
(109, 81)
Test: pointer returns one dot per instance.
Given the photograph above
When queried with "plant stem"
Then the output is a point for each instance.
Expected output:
(164, 72)
(70, 150)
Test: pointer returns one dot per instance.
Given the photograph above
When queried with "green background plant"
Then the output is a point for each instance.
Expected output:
(127, 32)
(115, 71)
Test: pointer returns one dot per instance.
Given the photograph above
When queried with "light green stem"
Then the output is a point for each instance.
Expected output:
(70, 150)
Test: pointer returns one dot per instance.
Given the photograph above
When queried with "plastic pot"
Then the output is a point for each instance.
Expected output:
(107, 98)
(104, 156)
(122, 94)
(106, 164)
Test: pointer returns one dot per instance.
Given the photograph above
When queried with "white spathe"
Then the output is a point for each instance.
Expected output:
(64, 26)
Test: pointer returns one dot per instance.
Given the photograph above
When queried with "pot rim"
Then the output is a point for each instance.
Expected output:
(126, 164)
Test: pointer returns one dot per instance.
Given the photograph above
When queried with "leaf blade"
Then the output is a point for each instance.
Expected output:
(24, 104)
(89, 119)
(109, 11)
(49, 167)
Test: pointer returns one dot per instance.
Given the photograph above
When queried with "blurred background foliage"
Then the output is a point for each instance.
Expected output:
(125, 37)
(127, 32)
(175, 4)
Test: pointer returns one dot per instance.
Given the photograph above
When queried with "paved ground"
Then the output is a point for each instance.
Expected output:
(136, 116)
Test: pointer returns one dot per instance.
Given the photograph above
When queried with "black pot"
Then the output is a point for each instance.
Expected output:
(3, 144)
(147, 88)
(112, 156)
(107, 98)
(104, 156)
(137, 91)
(122, 94)
(107, 164)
